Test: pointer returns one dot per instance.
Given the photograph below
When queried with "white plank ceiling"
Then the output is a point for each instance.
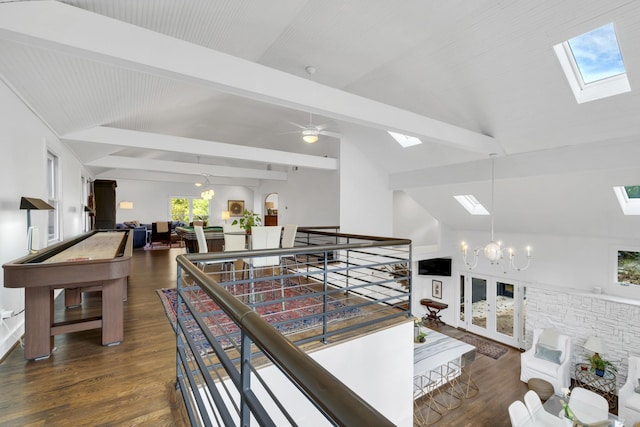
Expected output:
(200, 81)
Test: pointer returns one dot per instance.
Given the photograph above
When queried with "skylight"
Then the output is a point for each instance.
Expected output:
(592, 63)
(471, 204)
(405, 140)
(629, 198)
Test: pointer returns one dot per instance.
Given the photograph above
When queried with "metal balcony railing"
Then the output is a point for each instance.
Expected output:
(242, 330)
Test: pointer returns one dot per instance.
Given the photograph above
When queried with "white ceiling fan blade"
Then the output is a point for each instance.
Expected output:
(331, 134)
(323, 126)
(300, 126)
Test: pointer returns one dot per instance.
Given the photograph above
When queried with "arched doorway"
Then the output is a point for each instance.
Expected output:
(271, 209)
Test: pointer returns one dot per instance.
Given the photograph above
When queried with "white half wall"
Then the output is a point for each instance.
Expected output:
(378, 367)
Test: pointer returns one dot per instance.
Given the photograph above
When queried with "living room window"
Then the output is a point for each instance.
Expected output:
(53, 196)
(188, 209)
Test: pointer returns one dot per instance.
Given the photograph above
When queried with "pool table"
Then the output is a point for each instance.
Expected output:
(214, 236)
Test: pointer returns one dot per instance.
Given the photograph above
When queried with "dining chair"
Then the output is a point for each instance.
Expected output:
(264, 238)
(202, 246)
(234, 240)
(289, 232)
(538, 413)
(519, 414)
(589, 407)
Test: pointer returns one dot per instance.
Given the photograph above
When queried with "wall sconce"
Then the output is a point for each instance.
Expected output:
(30, 203)
(126, 205)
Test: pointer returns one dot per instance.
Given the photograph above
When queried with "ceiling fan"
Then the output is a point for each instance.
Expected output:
(311, 132)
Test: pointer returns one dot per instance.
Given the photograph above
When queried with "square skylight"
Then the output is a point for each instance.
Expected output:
(592, 63)
(405, 140)
(471, 204)
(629, 198)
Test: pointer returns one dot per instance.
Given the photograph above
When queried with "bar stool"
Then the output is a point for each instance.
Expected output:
(449, 372)
(426, 409)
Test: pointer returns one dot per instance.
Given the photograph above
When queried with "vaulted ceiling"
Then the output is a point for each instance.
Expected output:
(165, 89)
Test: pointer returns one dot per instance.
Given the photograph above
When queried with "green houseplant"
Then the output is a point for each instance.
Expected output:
(248, 220)
(600, 366)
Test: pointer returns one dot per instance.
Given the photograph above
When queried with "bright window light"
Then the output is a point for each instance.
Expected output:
(592, 63)
(629, 198)
(471, 204)
(405, 140)
(597, 54)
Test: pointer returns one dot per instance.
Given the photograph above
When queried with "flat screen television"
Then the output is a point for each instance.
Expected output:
(435, 267)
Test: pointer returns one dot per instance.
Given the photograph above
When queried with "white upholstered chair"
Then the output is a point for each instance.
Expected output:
(519, 414)
(628, 399)
(549, 358)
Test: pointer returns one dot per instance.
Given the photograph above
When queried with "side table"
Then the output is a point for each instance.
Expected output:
(604, 386)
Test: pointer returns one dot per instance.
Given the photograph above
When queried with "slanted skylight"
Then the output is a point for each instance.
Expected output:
(592, 63)
(471, 204)
(628, 198)
(405, 140)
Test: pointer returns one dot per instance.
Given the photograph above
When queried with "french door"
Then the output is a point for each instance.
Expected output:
(491, 307)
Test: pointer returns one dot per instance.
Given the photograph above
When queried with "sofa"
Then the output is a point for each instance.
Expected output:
(140, 230)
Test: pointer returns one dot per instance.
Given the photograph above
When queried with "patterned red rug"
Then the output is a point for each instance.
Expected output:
(486, 347)
(303, 310)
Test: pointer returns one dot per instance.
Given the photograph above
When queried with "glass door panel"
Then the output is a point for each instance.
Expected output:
(479, 305)
(462, 299)
(504, 308)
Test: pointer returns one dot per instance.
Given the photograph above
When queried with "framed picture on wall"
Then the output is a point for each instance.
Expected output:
(436, 288)
(235, 207)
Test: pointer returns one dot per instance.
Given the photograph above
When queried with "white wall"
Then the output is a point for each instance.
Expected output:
(151, 199)
(564, 261)
(366, 203)
(25, 140)
(412, 221)
(310, 197)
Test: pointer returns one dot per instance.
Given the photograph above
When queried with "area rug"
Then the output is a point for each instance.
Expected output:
(486, 347)
(303, 310)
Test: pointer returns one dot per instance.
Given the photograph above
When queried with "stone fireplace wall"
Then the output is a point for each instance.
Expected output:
(580, 314)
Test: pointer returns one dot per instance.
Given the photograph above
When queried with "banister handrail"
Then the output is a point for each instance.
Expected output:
(195, 257)
(339, 403)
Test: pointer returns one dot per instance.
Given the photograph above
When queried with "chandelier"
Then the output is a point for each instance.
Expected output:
(494, 251)
(206, 194)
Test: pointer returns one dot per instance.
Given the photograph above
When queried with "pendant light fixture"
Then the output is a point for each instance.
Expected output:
(493, 250)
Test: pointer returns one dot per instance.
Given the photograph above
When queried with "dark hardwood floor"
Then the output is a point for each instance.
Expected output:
(133, 384)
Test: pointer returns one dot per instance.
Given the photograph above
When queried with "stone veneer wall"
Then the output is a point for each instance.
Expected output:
(580, 315)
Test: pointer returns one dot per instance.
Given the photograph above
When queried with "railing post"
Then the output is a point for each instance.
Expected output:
(324, 297)
(245, 378)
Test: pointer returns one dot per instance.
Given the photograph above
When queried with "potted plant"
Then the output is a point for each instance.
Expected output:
(599, 366)
(248, 220)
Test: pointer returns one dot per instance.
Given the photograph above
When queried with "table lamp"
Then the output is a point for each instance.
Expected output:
(596, 345)
(30, 203)
(225, 216)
